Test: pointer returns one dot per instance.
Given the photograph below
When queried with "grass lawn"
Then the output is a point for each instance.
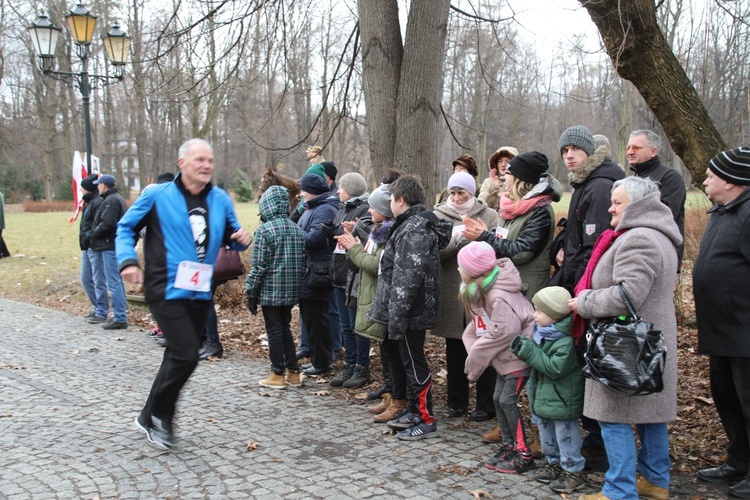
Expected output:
(46, 259)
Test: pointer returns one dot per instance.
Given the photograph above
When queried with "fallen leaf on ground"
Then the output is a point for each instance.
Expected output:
(119, 339)
(480, 494)
(321, 393)
(251, 445)
(74, 352)
(708, 401)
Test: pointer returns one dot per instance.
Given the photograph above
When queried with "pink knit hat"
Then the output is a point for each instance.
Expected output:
(476, 258)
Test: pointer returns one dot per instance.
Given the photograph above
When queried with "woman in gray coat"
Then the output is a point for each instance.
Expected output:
(451, 319)
(641, 255)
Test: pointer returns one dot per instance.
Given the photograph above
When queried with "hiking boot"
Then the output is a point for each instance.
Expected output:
(211, 349)
(378, 408)
(292, 378)
(494, 436)
(547, 473)
(161, 341)
(378, 393)
(502, 454)
(89, 315)
(648, 490)
(96, 320)
(344, 375)
(515, 463)
(394, 410)
(274, 381)
(403, 422)
(568, 482)
(419, 430)
(535, 444)
(115, 325)
(360, 377)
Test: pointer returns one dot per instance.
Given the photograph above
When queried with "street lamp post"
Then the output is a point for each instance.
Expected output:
(44, 36)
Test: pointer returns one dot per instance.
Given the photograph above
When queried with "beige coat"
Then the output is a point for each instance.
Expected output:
(644, 260)
(451, 318)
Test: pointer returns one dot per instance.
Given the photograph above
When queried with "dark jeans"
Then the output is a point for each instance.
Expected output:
(418, 377)
(396, 374)
(458, 384)
(3, 248)
(731, 393)
(356, 347)
(315, 315)
(211, 332)
(335, 327)
(182, 322)
(280, 340)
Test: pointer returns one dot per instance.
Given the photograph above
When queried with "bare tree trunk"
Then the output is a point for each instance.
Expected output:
(382, 53)
(641, 55)
(418, 111)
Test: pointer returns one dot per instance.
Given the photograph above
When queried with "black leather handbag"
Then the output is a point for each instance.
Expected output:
(625, 354)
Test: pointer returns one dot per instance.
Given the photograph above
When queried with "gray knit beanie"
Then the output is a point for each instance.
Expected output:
(578, 136)
(380, 200)
(553, 301)
(353, 183)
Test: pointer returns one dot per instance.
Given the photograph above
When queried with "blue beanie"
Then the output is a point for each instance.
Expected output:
(314, 184)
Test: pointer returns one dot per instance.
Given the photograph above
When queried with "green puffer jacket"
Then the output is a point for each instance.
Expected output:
(367, 259)
(556, 385)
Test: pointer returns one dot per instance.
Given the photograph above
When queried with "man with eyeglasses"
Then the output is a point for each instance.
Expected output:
(642, 153)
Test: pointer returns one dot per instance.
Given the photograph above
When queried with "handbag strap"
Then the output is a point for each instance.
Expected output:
(628, 303)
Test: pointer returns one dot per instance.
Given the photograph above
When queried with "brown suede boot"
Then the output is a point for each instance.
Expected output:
(292, 378)
(378, 408)
(535, 444)
(274, 381)
(648, 490)
(392, 412)
(494, 436)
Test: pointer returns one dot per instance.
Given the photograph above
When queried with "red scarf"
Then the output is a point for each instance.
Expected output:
(509, 209)
(602, 244)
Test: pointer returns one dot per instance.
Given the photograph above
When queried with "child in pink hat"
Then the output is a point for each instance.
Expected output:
(491, 294)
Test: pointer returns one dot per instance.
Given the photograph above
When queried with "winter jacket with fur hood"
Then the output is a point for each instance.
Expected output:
(408, 295)
(644, 261)
(588, 214)
(507, 314)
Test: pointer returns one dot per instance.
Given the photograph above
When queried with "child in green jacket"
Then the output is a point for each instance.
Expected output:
(556, 388)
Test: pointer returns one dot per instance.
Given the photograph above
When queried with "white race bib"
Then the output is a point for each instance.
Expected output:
(194, 276)
(502, 232)
(481, 322)
(339, 249)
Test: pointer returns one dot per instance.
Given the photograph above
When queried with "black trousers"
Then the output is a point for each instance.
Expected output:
(315, 316)
(182, 322)
(731, 393)
(280, 341)
(391, 358)
(458, 384)
(418, 377)
(3, 247)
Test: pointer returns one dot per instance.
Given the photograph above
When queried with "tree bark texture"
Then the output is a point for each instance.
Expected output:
(418, 111)
(382, 53)
(641, 54)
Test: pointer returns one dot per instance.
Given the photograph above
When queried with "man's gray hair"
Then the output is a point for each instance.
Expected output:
(636, 188)
(652, 138)
(185, 148)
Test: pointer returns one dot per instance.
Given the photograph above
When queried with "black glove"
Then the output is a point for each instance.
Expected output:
(252, 305)
(328, 229)
(516, 344)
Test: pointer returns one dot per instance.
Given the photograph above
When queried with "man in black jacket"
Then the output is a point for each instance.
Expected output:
(642, 154)
(92, 277)
(591, 173)
(722, 309)
(103, 232)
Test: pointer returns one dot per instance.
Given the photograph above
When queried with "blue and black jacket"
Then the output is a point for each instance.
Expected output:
(164, 211)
